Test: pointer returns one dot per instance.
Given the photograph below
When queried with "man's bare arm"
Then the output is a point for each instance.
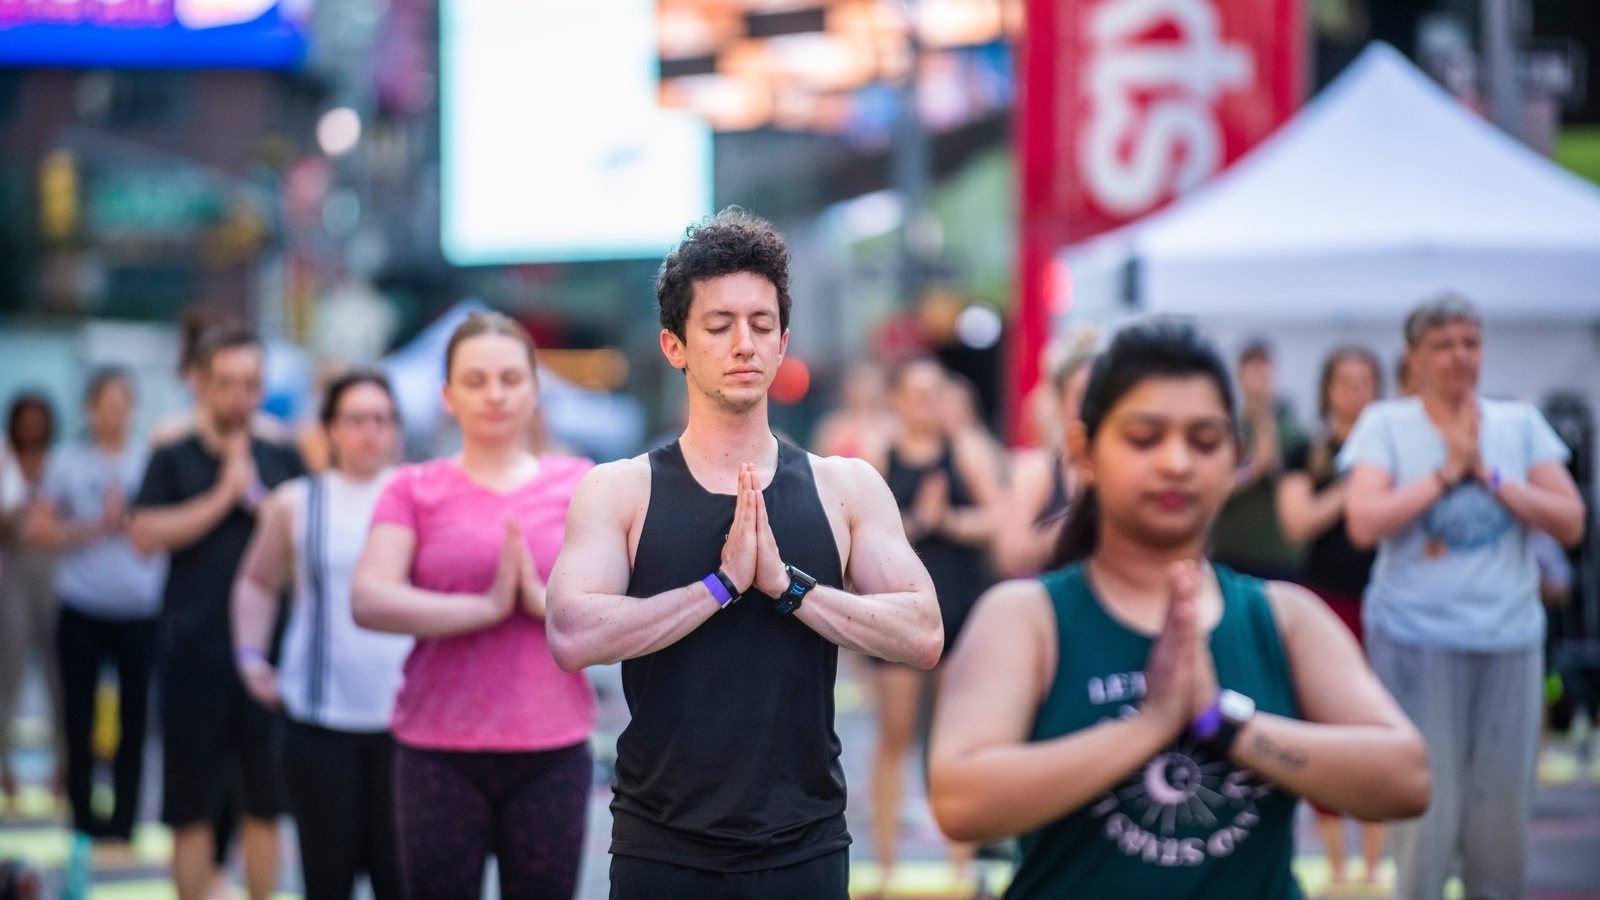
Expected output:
(896, 614)
(590, 619)
(174, 527)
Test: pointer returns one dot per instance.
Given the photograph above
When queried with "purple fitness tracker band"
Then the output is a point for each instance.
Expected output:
(245, 655)
(1496, 478)
(1207, 723)
(718, 588)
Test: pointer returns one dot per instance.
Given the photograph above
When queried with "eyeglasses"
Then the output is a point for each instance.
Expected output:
(362, 420)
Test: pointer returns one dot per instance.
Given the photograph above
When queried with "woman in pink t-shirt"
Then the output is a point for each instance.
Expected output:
(493, 754)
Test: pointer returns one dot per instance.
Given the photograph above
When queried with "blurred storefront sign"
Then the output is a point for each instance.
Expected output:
(215, 34)
(1126, 104)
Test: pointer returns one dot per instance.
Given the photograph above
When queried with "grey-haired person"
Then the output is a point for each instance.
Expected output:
(1451, 486)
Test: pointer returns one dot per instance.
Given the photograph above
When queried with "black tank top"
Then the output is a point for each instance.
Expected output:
(959, 572)
(1055, 508)
(730, 763)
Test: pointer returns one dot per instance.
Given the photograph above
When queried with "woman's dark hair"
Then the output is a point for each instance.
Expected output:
(102, 378)
(20, 406)
(338, 387)
(478, 324)
(730, 242)
(1157, 348)
(1339, 355)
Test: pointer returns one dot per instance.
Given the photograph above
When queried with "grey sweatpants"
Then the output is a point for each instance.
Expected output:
(28, 612)
(1480, 714)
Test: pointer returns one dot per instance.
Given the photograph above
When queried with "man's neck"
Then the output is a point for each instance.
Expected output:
(211, 437)
(111, 442)
(1445, 407)
(722, 439)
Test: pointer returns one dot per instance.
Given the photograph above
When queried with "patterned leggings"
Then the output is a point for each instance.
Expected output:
(454, 808)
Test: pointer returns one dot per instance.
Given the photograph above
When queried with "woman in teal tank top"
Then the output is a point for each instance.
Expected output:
(1144, 719)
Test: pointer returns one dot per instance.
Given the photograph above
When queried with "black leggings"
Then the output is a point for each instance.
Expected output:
(341, 792)
(824, 878)
(83, 642)
(454, 808)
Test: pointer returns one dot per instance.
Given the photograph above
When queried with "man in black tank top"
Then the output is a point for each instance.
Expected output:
(714, 568)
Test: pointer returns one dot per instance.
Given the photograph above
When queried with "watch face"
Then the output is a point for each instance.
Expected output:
(801, 579)
(1235, 707)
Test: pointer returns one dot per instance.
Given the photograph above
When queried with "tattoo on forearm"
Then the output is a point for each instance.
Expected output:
(1291, 757)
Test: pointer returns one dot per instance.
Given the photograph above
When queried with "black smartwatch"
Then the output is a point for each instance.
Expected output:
(800, 584)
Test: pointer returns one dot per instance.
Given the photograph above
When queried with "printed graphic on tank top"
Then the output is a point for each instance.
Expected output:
(730, 762)
(1186, 823)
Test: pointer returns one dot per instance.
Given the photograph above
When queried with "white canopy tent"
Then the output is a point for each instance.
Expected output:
(1382, 191)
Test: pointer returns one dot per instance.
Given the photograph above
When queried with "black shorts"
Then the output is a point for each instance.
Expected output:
(825, 878)
(213, 737)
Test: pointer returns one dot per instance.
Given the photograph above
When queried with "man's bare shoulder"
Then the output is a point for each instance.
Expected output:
(852, 483)
(844, 472)
(620, 484)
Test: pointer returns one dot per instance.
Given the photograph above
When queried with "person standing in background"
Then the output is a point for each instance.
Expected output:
(1311, 497)
(862, 425)
(1043, 482)
(946, 486)
(198, 502)
(1247, 536)
(338, 680)
(110, 597)
(1450, 486)
(27, 579)
(493, 754)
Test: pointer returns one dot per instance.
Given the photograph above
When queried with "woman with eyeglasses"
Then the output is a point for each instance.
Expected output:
(335, 680)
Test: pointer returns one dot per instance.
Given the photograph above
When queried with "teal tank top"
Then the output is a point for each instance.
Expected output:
(1186, 824)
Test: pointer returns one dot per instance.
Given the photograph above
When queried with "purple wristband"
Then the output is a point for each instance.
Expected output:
(250, 654)
(1496, 478)
(1207, 723)
(718, 592)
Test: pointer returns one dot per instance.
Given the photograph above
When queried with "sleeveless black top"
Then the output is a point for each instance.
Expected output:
(730, 763)
(959, 572)
(1055, 508)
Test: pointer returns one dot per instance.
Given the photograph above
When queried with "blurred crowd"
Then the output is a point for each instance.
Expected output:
(163, 558)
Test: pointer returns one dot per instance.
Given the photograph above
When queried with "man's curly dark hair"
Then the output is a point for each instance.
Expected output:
(732, 241)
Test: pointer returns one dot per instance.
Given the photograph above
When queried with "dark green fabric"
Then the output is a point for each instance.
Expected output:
(1186, 825)
(1247, 535)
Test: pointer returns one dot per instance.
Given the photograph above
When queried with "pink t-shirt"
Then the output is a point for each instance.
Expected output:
(499, 688)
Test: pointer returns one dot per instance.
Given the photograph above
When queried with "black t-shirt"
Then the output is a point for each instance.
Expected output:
(1333, 565)
(195, 620)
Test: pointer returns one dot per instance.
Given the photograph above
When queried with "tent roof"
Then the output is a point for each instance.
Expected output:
(1381, 191)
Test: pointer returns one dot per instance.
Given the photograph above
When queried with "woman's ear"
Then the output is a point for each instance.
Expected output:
(1077, 445)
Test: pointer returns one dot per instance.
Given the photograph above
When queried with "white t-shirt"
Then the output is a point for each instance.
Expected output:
(1463, 574)
(108, 578)
(334, 673)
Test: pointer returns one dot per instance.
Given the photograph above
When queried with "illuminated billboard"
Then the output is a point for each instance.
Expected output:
(168, 34)
(553, 147)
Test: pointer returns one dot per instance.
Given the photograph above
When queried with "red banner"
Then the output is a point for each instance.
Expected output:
(1126, 104)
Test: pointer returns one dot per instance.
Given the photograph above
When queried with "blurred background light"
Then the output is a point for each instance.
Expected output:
(978, 327)
(338, 131)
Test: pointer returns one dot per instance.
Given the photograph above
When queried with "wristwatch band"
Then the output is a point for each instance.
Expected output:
(800, 584)
(1217, 728)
